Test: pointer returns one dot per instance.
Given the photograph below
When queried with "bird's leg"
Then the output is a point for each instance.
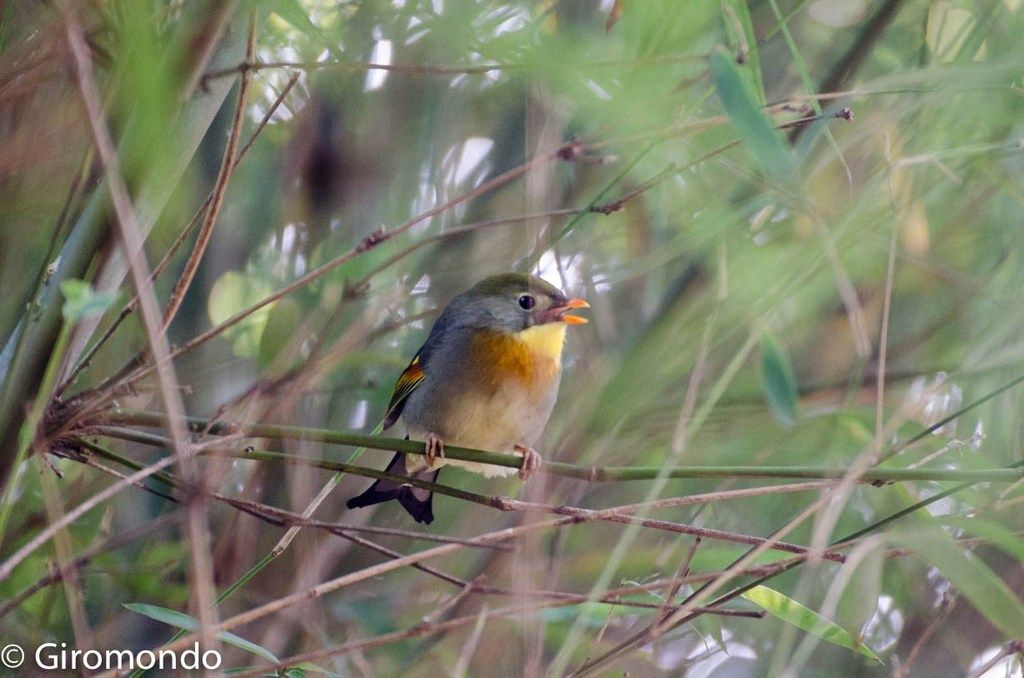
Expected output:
(435, 449)
(531, 461)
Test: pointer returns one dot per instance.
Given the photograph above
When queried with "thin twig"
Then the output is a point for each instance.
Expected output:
(937, 621)
(566, 151)
(59, 573)
(227, 167)
(92, 502)
(588, 473)
(425, 69)
(1011, 648)
(195, 518)
(64, 549)
(686, 611)
(883, 339)
(281, 517)
(165, 261)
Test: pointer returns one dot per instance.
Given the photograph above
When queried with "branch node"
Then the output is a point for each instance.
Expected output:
(609, 207)
(374, 239)
(571, 151)
(502, 503)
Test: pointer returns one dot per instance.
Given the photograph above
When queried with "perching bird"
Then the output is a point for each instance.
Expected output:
(486, 378)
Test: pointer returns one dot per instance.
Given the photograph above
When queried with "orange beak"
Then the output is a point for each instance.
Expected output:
(570, 305)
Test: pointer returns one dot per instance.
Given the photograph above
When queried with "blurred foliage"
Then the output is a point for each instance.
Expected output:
(746, 262)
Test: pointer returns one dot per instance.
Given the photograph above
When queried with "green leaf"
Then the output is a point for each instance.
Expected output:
(792, 612)
(777, 380)
(183, 621)
(80, 301)
(296, 15)
(279, 331)
(740, 29)
(748, 119)
(1001, 537)
(233, 292)
(987, 592)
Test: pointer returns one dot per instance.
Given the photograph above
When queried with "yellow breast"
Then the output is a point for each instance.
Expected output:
(531, 356)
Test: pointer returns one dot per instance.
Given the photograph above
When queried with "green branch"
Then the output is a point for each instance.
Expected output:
(589, 473)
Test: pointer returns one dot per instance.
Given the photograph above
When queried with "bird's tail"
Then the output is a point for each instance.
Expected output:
(416, 500)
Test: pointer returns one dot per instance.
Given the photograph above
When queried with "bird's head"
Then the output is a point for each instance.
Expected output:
(514, 302)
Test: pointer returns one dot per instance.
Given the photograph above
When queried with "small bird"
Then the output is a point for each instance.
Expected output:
(486, 378)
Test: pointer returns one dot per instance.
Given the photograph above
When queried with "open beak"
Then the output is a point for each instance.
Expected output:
(561, 312)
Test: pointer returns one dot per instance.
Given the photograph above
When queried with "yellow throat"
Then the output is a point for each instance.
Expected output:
(544, 340)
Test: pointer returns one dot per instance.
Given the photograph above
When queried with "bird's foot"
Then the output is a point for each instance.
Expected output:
(435, 449)
(531, 461)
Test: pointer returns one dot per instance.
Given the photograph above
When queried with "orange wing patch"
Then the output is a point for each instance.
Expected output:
(407, 383)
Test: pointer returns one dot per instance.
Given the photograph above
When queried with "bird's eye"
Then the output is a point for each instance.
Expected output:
(527, 302)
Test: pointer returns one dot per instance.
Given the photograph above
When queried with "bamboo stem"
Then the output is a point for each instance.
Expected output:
(588, 473)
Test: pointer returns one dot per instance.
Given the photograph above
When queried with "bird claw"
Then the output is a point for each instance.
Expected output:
(531, 461)
(434, 449)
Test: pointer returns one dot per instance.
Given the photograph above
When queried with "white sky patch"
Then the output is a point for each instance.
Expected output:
(272, 81)
(519, 18)
(427, 197)
(421, 286)
(464, 158)
(549, 269)
(884, 628)
(598, 90)
(601, 283)
(381, 54)
(930, 401)
(359, 415)
(288, 237)
(414, 21)
(978, 437)
(837, 13)
(700, 656)
(1009, 667)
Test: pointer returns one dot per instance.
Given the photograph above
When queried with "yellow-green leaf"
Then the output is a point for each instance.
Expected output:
(792, 612)
(284, 317)
(777, 380)
(748, 118)
(81, 301)
(183, 621)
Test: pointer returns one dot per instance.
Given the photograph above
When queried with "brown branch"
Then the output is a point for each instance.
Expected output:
(368, 243)
(59, 573)
(614, 516)
(505, 503)
(283, 518)
(165, 261)
(227, 167)
(131, 240)
(427, 629)
(1011, 648)
(7, 566)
